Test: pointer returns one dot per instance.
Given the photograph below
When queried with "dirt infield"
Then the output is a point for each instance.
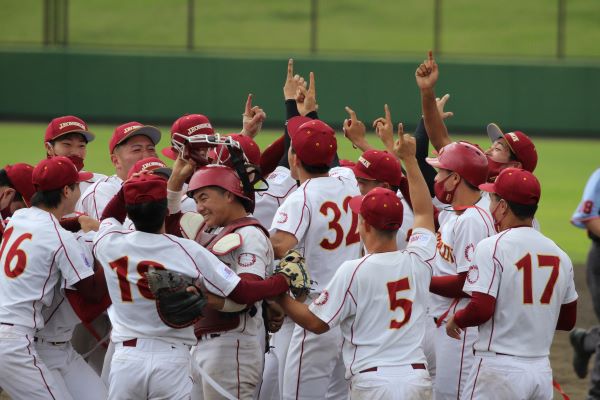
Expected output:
(561, 350)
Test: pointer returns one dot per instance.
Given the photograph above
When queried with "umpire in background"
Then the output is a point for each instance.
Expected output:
(585, 343)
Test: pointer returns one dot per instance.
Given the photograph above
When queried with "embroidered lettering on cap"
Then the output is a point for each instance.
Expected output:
(153, 164)
(72, 123)
(513, 136)
(197, 127)
(131, 128)
(364, 162)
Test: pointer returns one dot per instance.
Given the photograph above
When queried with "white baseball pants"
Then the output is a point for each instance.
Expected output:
(392, 383)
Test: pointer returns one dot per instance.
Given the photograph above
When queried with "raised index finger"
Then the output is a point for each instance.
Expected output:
(290, 71)
(430, 56)
(388, 116)
(401, 132)
(312, 88)
(248, 109)
(351, 112)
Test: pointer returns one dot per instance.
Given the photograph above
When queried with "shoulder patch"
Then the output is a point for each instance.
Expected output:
(322, 299)
(282, 217)
(469, 250)
(246, 260)
(227, 244)
(190, 224)
(473, 274)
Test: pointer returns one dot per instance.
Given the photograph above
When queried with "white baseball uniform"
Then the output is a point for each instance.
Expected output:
(151, 360)
(83, 186)
(456, 241)
(530, 277)
(281, 185)
(36, 254)
(93, 201)
(319, 216)
(240, 349)
(53, 345)
(379, 301)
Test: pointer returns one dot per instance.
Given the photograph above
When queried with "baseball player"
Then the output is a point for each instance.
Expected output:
(129, 143)
(148, 353)
(514, 149)
(69, 136)
(585, 343)
(461, 168)
(230, 341)
(16, 190)
(379, 300)
(522, 289)
(37, 255)
(316, 218)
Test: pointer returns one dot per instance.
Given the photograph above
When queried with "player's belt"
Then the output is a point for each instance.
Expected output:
(35, 339)
(374, 369)
(209, 336)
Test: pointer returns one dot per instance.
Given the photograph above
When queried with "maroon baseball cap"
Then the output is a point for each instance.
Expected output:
(56, 173)
(19, 175)
(380, 208)
(313, 141)
(131, 129)
(144, 188)
(188, 125)
(153, 164)
(520, 144)
(377, 165)
(515, 185)
(68, 124)
(248, 145)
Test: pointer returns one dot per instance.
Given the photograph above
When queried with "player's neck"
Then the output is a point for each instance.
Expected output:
(235, 214)
(511, 221)
(465, 197)
(303, 176)
(376, 244)
(58, 212)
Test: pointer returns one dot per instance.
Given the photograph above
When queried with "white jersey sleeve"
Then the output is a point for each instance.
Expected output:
(71, 259)
(253, 256)
(293, 216)
(467, 233)
(97, 196)
(589, 206)
(335, 303)
(484, 275)
(422, 244)
(570, 293)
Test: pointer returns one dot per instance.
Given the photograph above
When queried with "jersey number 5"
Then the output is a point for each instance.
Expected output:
(14, 251)
(524, 264)
(121, 266)
(334, 225)
(406, 305)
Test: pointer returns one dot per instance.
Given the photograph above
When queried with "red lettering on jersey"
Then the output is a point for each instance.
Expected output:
(444, 250)
(406, 305)
(14, 251)
(524, 264)
(334, 224)
(588, 206)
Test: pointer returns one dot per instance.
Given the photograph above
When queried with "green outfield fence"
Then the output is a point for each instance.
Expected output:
(536, 97)
(508, 28)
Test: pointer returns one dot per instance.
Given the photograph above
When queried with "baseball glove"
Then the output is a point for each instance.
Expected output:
(177, 307)
(293, 266)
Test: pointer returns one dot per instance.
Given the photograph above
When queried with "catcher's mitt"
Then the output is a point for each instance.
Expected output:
(293, 266)
(177, 307)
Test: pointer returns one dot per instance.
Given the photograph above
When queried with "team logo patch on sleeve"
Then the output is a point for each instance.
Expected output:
(282, 217)
(469, 250)
(246, 260)
(473, 274)
(322, 299)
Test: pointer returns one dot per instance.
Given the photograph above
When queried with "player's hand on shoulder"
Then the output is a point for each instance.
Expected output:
(88, 223)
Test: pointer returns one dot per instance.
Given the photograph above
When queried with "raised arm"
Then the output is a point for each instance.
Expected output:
(426, 76)
(405, 148)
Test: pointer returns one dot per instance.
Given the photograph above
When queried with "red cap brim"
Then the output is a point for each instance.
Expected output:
(85, 176)
(170, 153)
(355, 204)
(488, 187)
(434, 162)
(361, 174)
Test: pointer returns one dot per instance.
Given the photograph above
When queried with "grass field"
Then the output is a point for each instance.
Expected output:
(469, 27)
(563, 169)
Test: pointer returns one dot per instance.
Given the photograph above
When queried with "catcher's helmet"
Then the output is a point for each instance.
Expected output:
(224, 177)
(186, 126)
(465, 159)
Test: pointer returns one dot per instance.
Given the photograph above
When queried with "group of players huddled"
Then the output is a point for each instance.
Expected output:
(430, 276)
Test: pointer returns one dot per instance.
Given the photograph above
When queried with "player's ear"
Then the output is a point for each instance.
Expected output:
(49, 149)
(6, 197)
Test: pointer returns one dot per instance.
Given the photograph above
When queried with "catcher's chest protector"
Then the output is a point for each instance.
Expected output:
(220, 244)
